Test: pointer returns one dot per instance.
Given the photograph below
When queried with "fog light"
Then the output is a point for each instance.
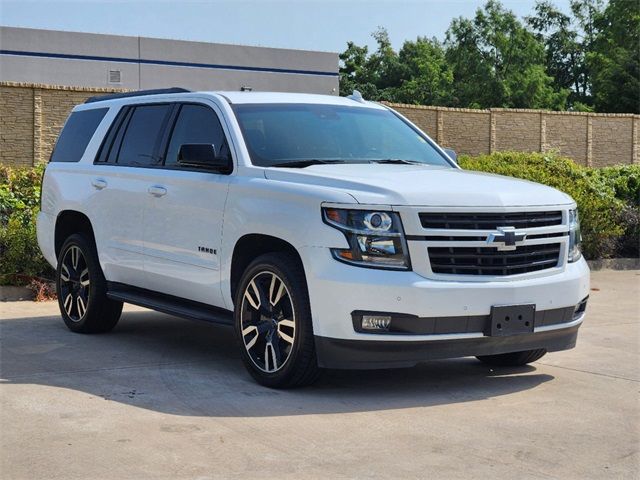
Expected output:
(580, 308)
(375, 322)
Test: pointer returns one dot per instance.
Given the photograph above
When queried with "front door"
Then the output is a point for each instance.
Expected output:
(183, 213)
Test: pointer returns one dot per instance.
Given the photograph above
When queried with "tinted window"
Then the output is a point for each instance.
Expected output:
(107, 142)
(196, 124)
(76, 134)
(140, 141)
(118, 133)
(291, 132)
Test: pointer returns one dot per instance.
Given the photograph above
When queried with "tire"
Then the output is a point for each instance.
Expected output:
(82, 289)
(277, 344)
(515, 359)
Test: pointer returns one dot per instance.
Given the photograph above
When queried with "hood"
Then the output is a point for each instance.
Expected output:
(422, 185)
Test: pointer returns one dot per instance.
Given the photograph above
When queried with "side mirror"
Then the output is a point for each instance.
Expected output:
(452, 154)
(202, 155)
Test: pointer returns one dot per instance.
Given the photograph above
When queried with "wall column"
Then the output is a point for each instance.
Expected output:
(37, 126)
(635, 153)
(440, 126)
(589, 141)
(492, 131)
(543, 132)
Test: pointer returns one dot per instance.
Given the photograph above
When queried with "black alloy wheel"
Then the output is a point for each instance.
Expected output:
(268, 322)
(82, 288)
(273, 322)
(75, 284)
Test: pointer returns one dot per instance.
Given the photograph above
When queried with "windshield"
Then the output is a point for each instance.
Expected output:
(276, 134)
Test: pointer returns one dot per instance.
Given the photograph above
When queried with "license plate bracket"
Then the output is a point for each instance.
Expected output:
(507, 320)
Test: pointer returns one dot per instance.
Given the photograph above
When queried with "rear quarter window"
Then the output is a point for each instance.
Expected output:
(76, 134)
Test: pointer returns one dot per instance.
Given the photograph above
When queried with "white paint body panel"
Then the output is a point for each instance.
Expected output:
(189, 216)
(153, 242)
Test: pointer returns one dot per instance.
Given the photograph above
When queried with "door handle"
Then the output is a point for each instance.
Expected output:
(157, 191)
(99, 183)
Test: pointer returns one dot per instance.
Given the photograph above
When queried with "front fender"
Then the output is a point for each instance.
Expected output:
(291, 212)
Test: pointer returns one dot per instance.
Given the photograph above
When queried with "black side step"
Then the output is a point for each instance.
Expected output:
(169, 304)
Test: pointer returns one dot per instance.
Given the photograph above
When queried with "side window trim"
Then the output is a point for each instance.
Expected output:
(174, 116)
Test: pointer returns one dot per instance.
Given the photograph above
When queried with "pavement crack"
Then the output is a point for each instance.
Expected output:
(592, 373)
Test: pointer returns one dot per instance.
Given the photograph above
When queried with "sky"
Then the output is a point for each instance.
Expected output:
(304, 24)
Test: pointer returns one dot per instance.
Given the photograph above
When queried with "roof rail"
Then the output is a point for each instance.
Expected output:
(139, 93)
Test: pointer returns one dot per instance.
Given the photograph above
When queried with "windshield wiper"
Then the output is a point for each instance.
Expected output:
(317, 161)
(305, 163)
(397, 161)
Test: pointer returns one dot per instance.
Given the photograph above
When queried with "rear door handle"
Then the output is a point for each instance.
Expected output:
(157, 191)
(99, 183)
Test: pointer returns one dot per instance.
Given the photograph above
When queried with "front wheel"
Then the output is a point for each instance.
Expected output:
(514, 359)
(273, 322)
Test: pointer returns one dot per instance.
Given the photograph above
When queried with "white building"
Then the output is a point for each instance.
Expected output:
(93, 60)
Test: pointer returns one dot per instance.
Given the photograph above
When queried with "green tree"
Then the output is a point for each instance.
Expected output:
(565, 55)
(428, 78)
(374, 75)
(385, 64)
(614, 60)
(354, 72)
(497, 62)
(587, 59)
(586, 13)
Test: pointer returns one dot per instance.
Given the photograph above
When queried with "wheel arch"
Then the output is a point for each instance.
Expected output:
(249, 247)
(69, 222)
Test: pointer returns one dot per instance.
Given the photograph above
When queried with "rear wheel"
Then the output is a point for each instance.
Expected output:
(273, 322)
(82, 289)
(515, 359)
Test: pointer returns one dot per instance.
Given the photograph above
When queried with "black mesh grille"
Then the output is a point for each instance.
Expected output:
(490, 261)
(489, 221)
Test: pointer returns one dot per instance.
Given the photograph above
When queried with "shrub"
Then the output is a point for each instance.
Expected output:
(607, 198)
(20, 257)
(19, 191)
(623, 179)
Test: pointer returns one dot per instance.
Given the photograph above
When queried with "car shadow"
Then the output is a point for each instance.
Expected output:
(165, 364)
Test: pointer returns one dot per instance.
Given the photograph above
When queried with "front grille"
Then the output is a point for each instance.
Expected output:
(489, 221)
(490, 261)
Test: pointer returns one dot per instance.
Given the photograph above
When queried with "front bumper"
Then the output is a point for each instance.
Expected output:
(370, 354)
(337, 290)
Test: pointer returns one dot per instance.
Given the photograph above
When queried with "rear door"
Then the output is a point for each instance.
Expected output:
(184, 211)
(120, 181)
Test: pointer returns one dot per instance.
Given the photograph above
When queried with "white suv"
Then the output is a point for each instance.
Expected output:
(330, 232)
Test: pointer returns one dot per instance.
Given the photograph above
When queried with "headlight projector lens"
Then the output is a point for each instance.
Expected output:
(378, 221)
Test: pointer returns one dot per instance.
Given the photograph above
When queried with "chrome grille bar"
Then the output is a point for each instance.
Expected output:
(489, 221)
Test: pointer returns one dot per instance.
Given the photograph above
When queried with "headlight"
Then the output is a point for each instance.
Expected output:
(376, 238)
(575, 238)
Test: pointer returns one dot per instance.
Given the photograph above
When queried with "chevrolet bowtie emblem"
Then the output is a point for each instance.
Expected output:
(505, 238)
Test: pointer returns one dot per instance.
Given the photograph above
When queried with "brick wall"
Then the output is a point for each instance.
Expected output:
(594, 139)
(31, 117)
(16, 126)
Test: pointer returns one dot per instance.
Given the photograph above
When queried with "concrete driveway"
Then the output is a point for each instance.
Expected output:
(166, 398)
